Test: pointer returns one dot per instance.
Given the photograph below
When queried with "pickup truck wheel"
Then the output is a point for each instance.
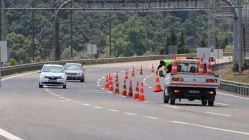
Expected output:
(210, 103)
(40, 86)
(204, 102)
(64, 86)
(166, 99)
(172, 101)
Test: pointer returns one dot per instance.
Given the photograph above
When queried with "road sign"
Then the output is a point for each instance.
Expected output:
(218, 53)
(205, 53)
(3, 51)
(91, 49)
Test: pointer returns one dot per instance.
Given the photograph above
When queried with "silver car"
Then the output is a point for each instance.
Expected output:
(74, 71)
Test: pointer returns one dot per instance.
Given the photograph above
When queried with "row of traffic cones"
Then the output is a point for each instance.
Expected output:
(139, 94)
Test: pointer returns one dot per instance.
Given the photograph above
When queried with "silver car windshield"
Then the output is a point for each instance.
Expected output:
(53, 69)
(72, 67)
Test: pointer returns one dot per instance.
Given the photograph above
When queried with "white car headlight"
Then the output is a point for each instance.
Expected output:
(42, 76)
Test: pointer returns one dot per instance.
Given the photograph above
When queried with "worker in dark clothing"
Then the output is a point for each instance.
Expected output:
(167, 65)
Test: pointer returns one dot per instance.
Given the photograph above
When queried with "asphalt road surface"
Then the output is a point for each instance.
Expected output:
(87, 111)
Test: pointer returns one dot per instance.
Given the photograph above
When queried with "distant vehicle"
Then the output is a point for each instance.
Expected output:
(188, 84)
(52, 75)
(74, 71)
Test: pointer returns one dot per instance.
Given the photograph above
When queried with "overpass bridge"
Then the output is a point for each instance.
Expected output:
(237, 9)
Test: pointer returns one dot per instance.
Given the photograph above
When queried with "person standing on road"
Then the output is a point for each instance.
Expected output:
(167, 65)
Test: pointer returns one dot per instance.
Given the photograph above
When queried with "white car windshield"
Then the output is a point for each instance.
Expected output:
(53, 69)
(73, 67)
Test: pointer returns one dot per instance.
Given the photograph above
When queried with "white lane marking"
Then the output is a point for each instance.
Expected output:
(86, 104)
(146, 101)
(221, 104)
(102, 77)
(171, 106)
(148, 76)
(98, 107)
(113, 110)
(69, 99)
(100, 80)
(7, 78)
(145, 84)
(233, 96)
(62, 97)
(102, 88)
(209, 127)
(213, 113)
(151, 117)
(129, 113)
(8, 135)
(97, 82)
(98, 85)
(150, 87)
(144, 79)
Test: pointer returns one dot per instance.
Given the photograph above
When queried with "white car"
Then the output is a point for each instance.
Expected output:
(52, 75)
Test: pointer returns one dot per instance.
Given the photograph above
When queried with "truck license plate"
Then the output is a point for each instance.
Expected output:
(193, 91)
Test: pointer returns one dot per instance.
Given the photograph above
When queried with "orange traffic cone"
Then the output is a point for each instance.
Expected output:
(174, 66)
(133, 72)
(136, 96)
(141, 70)
(110, 84)
(106, 82)
(130, 93)
(117, 88)
(157, 87)
(126, 75)
(116, 80)
(124, 92)
(209, 68)
(201, 65)
(152, 69)
(141, 92)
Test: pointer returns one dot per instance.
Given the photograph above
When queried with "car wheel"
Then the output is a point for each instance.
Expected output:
(204, 102)
(82, 80)
(64, 86)
(165, 98)
(211, 103)
(172, 100)
(40, 86)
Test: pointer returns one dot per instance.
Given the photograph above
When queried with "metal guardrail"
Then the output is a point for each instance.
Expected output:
(235, 87)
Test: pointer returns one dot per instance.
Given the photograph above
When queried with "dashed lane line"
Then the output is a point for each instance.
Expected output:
(98, 107)
(219, 114)
(209, 127)
(8, 135)
(151, 117)
(113, 110)
(129, 113)
(221, 104)
(171, 106)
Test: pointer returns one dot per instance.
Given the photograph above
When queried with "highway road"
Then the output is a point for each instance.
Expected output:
(87, 111)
